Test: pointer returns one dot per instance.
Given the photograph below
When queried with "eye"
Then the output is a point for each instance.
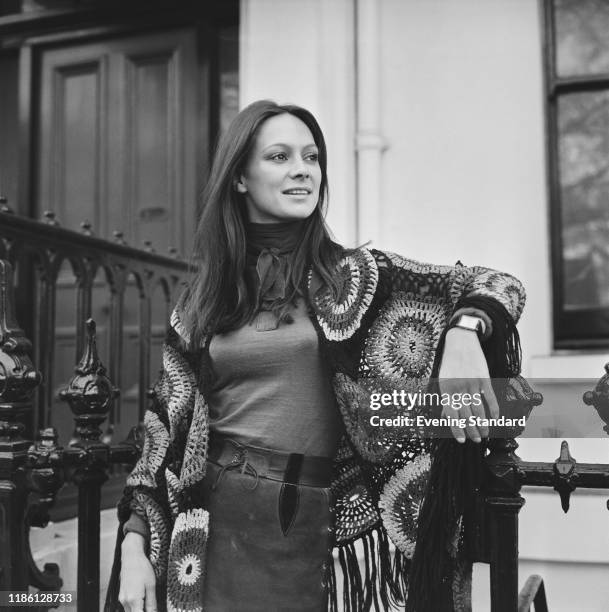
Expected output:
(312, 157)
(278, 157)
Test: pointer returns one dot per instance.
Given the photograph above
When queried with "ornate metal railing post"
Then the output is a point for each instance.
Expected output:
(18, 379)
(89, 394)
(503, 500)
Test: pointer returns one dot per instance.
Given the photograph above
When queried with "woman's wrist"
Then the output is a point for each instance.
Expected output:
(133, 542)
(486, 325)
(458, 334)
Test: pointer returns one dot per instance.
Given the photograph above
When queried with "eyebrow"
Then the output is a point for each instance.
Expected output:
(287, 146)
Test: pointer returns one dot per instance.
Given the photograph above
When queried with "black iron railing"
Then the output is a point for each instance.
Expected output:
(31, 474)
(506, 473)
(34, 466)
(44, 249)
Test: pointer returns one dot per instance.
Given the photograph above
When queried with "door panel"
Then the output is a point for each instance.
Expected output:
(116, 141)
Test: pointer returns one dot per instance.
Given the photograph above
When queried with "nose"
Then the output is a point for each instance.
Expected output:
(299, 170)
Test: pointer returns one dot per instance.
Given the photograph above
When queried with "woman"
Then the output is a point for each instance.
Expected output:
(260, 455)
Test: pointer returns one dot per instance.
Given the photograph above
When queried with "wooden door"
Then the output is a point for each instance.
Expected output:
(116, 137)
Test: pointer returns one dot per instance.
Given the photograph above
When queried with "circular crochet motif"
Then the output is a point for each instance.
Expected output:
(355, 514)
(403, 339)
(401, 500)
(358, 274)
(185, 568)
(374, 444)
(188, 570)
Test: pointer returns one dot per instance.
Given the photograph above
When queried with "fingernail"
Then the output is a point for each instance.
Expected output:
(477, 439)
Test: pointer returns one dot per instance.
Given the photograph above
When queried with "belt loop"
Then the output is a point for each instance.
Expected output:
(293, 468)
(239, 460)
(289, 495)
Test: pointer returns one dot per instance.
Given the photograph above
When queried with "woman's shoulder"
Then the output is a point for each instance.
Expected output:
(177, 321)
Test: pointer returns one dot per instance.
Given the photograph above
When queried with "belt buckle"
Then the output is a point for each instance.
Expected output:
(239, 456)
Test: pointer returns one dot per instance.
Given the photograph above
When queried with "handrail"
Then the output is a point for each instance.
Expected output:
(533, 593)
(50, 235)
(45, 247)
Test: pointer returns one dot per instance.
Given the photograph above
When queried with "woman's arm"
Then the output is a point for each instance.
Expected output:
(137, 591)
(146, 506)
(464, 370)
(463, 290)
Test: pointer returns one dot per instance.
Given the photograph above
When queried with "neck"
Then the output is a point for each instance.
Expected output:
(282, 236)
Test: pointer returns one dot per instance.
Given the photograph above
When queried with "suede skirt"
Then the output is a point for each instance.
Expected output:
(270, 531)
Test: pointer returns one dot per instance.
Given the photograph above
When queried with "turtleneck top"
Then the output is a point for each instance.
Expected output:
(271, 389)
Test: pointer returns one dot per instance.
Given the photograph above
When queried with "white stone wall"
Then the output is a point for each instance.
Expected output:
(461, 111)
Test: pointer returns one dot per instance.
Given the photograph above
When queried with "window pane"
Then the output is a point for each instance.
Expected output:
(582, 37)
(583, 123)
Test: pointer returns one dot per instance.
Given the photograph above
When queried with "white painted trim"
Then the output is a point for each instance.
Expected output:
(369, 141)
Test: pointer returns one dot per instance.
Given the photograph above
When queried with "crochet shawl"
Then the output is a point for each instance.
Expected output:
(380, 333)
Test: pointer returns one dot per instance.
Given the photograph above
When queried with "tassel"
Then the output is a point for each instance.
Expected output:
(454, 478)
(343, 565)
(356, 586)
(332, 590)
(381, 584)
(367, 580)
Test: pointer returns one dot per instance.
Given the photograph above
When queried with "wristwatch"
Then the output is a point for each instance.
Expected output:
(471, 323)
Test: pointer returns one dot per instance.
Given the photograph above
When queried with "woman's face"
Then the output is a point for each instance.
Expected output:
(282, 176)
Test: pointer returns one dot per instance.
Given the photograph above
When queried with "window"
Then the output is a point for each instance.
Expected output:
(577, 89)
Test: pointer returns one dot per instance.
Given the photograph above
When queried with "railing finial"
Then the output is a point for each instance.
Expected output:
(599, 398)
(4, 207)
(118, 237)
(565, 475)
(49, 218)
(18, 377)
(86, 228)
(90, 392)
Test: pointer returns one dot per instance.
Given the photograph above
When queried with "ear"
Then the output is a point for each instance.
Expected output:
(240, 185)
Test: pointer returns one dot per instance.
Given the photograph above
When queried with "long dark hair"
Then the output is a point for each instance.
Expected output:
(218, 299)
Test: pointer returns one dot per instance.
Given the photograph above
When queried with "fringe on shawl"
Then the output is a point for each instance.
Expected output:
(383, 583)
(454, 480)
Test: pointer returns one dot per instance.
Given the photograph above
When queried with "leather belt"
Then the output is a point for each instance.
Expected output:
(289, 468)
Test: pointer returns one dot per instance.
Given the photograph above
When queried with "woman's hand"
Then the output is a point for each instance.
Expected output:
(137, 591)
(463, 369)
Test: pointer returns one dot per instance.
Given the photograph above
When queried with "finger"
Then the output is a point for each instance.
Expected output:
(137, 605)
(471, 431)
(478, 410)
(150, 598)
(457, 432)
(123, 602)
(490, 399)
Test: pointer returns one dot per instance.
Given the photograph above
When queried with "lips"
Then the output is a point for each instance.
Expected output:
(303, 191)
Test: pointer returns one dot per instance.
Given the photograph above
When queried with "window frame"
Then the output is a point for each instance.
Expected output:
(572, 329)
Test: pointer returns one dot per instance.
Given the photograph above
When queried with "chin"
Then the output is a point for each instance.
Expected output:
(295, 215)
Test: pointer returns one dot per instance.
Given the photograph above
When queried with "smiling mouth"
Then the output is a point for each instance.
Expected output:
(301, 191)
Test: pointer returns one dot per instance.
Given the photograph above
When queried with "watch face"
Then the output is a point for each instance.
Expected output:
(469, 322)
